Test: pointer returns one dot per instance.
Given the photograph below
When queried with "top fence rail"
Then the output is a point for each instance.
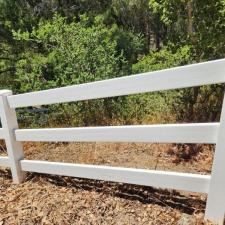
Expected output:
(212, 72)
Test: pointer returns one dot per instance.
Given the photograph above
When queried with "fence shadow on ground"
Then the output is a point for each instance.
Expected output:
(189, 204)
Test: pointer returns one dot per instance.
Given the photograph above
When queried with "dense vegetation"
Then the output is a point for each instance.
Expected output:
(46, 44)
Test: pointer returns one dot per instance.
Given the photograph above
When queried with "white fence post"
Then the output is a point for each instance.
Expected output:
(14, 148)
(215, 207)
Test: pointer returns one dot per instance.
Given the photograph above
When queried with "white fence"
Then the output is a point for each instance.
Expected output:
(212, 72)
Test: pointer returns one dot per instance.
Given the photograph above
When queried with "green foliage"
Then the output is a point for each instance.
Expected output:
(166, 102)
(199, 104)
(70, 54)
(47, 44)
(200, 24)
(74, 53)
(163, 59)
(209, 23)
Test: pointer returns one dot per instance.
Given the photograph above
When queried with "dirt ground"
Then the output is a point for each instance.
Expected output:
(59, 200)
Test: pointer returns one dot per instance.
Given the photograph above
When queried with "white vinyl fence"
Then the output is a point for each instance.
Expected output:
(212, 72)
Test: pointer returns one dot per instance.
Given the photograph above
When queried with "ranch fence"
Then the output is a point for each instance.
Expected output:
(212, 72)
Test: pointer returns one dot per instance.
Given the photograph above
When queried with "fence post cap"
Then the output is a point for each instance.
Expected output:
(5, 92)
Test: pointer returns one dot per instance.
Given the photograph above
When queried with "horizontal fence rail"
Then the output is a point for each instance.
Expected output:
(4, 161)
(162, 179)
(186, 76)
(168, 133)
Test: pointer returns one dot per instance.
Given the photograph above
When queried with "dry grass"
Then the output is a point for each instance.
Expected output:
(138, 155)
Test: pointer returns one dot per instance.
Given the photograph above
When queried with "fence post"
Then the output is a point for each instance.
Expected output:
(215, 207)
(14, 148)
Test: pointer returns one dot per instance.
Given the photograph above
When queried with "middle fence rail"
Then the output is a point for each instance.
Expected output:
(168, 133)
(212, 72)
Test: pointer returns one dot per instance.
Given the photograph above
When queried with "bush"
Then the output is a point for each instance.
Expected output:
(164, 103)
(62, 53)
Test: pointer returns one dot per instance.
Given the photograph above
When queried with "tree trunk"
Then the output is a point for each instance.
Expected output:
(190, 19)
